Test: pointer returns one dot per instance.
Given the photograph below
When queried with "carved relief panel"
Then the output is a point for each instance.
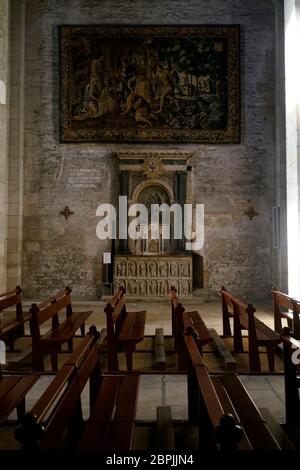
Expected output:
(154, 276)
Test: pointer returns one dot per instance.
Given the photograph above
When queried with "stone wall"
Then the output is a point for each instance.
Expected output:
(16, 144)
(4, 77)
(228, 179)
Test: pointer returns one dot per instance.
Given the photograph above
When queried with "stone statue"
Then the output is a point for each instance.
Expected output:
(142, 269)
(184, 288)
(122, 269)
(184, 269)
(152, 287)
(163, 269)
(132, 287)
(142, 287)
(174, 269)
(152, 269)
(164, 287)
(131, 269)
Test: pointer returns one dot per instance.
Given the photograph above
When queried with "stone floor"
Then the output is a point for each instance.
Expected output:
(266, 390)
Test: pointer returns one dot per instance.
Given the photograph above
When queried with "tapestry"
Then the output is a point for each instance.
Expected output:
(149, 83)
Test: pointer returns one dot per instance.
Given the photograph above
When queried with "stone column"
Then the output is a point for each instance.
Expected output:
(4, 115)
(16, 144)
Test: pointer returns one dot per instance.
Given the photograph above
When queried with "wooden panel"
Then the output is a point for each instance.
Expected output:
(264, 333)
(246, 409)
(12, 399)
(48, 398)
(9, 301)
(51, 299)
(127, 400)
(282, 300)
(67, 329)
(210, 397)
(193, 351)
(200, 327)
(229, 408)
(105, 402)
(133, 327)
(260, 436)
(48, 312)
(94, 436)
(6, 384)
(82, 350)
(96, 430)
(120, 436)
(61, 415)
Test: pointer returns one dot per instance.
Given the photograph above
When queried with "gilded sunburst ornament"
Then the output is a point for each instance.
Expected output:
(153, 166)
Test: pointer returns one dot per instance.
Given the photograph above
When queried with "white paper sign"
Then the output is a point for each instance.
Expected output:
(106, 258)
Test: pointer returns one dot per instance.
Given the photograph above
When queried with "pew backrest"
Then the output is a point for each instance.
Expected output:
(258, 332)
(291, 312)
(232, 419)
(15, 326)
(60, 331)
(60, 404)
(124, 329)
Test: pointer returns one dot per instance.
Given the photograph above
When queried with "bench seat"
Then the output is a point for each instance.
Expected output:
(236, 400)
(213, 397)
(12, 328)
(124, 329)
(291, 312)
(263, 332)
(66, 330)
(111, 423)
(133, 328)
(59, 406)
(59, 333)
(194, 319)
(259, 334)
(13, 390)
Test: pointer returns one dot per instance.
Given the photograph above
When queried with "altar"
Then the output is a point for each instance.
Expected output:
(150, 265)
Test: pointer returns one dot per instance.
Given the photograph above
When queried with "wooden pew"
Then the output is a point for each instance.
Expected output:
(13, 390)
(284, 301)
(259, 334)
(60, 333)
(124, 330)
(227, 417)
(178, 314)
(111, 424)
(59, 407)
(9, 330)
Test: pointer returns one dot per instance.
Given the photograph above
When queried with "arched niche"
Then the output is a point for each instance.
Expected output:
(152, 183)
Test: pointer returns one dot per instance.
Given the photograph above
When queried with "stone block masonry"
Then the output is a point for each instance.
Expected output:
(237, 251)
